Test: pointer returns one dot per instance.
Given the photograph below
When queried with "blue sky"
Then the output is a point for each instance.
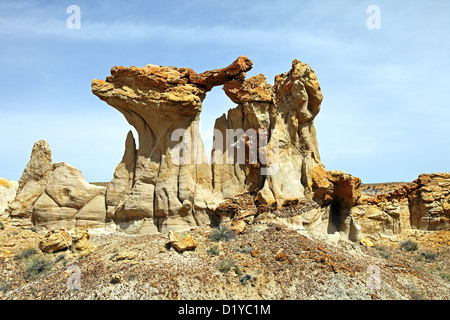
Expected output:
(385, 114)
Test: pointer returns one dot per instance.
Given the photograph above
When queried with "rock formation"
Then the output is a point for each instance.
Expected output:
(430, 203)
(120, 186)
(58, 240)
(54, 196)
(341, 191)
(54, 241)
(182, 241)
(423, 205)
(33, 180)
(8, 189)
(285, 113)
(80, 240)
(265, 164)
(153, 191)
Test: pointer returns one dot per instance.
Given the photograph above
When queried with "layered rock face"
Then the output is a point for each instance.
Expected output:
(267, 143)
(430, 203)
(383, 218)
(340, 192)
(423, 205)
(53, 196)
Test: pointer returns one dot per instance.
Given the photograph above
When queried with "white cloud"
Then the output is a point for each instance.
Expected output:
(43, 21)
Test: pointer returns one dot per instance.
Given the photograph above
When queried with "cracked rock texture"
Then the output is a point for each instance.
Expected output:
(430, 202)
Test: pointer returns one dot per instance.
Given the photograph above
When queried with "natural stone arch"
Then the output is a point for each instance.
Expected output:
(164, 195)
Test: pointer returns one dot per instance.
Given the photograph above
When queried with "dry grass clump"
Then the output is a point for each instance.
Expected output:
(36, 265)
(222, 233)
(409, 245)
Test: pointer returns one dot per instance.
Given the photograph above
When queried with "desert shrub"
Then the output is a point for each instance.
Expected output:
(5, 287)
(428, 255)
(385, 254)
(409, 245)
(445, 276)
(26, 253)
(244, 279)
(238, 271)
(379, 246)
(415, 295)
(226, 265)
(222, 233)
(2, 225)
(215, 251)
(113, 256)
(36, 265)
(247, 249)
(383, 251)
(132, 276)
(61, 257)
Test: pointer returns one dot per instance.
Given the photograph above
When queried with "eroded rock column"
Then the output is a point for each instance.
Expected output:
(285, 112)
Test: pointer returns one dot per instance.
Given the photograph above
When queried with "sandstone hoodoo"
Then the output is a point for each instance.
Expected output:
(274, 124)
(32, 181)
(55, 195)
